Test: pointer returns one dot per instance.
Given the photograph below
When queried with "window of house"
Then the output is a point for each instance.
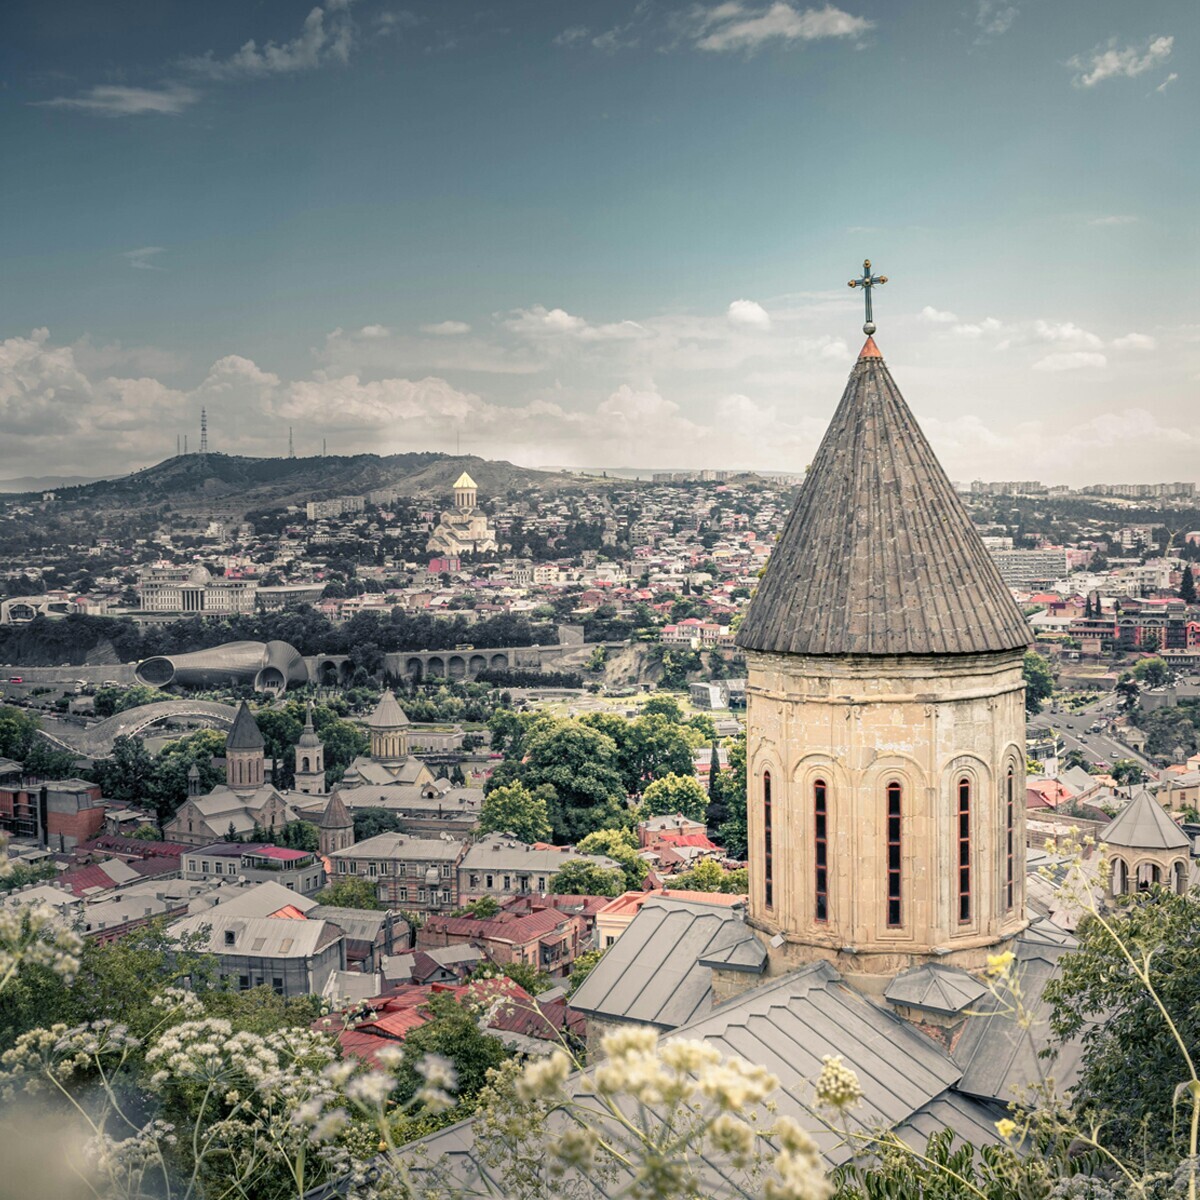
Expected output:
(404, 893)
(445, 895)
(964, 849)
(507, 882)
(821, 849)
(277, 985)
(768, 837)
(541, 883)
(473, 881)
(230, 937)
(488, 880)
(371, 870)
(894, 908)
(445, 870)
(244, 982)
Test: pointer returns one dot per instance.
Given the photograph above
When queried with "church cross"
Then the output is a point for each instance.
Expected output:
(867, 282)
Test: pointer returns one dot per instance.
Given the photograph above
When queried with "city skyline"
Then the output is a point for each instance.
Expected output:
(616, 234)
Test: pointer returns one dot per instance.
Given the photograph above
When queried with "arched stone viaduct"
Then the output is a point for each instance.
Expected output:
(329, 669)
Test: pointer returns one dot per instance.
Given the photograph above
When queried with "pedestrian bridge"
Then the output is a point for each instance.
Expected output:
(96, 741)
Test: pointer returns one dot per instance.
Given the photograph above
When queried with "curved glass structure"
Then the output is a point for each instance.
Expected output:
(267, 666)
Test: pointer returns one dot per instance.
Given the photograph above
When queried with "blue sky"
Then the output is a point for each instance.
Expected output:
(611, 233)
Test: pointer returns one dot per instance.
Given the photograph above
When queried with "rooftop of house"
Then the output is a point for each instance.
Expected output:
(401, 845)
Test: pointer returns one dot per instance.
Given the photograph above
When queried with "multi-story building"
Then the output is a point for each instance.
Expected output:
(193, 589)
(411, 873)
(300, 871)
(501, 867)
(58, 813)
(1021, 568)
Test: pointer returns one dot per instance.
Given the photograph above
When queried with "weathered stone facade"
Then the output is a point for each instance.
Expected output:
(949, 731)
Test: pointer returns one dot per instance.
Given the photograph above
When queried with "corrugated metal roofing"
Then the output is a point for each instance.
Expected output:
(652, 973)
(935, 987)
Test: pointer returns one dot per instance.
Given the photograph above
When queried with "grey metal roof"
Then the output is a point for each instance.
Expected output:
(652, 973)
(1143, 824)
(935, 987)
(334, 815)
(401, 846)
(787, 1026)
(879, 555)
(245, 734)
(999, 1059)
(388, 714)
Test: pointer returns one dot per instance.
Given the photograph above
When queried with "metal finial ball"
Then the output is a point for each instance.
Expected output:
(869, 328)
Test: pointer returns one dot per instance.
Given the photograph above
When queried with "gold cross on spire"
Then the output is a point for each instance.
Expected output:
(867, 283)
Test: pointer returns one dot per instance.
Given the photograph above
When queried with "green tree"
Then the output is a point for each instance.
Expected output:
(521, 973)
(580, 764)
(621, 846)
(1128, 691)
(483, 908)
(1126, 771)
(1131, 1062)
(128, 773)
(349, 893)
(368, 822)
(582, 967)
(281, 731)
(1039, 682)
(577, 877)
(676, 794)
(18, 732)
(1151, 672)
(344, 742)
(706, 876)
(452, 1032)
(1187, 586)
(44, 761)
(664, 706)
(515, 809)
(300, 835)
(733, 833)
(169, 787)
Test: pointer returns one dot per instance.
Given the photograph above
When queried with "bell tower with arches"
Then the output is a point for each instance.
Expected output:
(886, 715)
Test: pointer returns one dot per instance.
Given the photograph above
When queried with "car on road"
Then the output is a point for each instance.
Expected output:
(16, 679)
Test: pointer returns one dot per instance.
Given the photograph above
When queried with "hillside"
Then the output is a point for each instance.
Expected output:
(226, 485)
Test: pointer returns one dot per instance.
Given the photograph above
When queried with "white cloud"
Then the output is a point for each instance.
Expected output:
(374, 331)
(141, 260)
(1166, 83)
(1116, 219)
(736, 26)
(1071, 360)
(1135, 341)
(994, 20)
(934, 316)
(447, 328)
(749, 314)
(110, 100)
(972, 330)
(573, 36)
(1109, 62)
(317, 44)
(542, 322)
(1066, 333)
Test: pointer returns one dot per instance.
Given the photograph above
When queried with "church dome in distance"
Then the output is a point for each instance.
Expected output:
(388, 714)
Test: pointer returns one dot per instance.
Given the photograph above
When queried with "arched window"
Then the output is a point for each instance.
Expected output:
(964, 849)
(821, 849)
(894, 909)
(768, 865)
(1009, 819)
(1120, 877)
(1181, 874)
(304, 765)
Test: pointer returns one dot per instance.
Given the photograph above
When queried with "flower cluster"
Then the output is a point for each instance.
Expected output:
(837, 1086)
(36, 935)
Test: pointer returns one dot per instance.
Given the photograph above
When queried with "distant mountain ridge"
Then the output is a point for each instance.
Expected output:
(231, 485)
(45, 483)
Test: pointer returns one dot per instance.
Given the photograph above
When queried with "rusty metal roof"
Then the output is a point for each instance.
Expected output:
(879, 556)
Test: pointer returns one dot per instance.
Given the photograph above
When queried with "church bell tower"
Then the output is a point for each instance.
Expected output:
(885, 714)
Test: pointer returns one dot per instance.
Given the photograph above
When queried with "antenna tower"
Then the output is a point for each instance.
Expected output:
(204, 431)
(185, 450)
(177, 445)
(291, 444)
(322, 447)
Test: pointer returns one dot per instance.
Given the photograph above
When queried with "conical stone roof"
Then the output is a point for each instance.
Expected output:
(245, 733)
(1143, 824)
(465, 481)
(388, 714)
(879, 556)
(335, 815)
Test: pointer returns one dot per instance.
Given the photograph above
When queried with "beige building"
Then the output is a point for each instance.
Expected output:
(463, 529)
(886, 711)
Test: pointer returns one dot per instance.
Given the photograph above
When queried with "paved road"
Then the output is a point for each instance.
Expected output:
(1073, 729)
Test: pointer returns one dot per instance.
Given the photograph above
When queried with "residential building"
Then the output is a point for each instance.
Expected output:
(409, 873)
(299, 871)
(500, 866)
